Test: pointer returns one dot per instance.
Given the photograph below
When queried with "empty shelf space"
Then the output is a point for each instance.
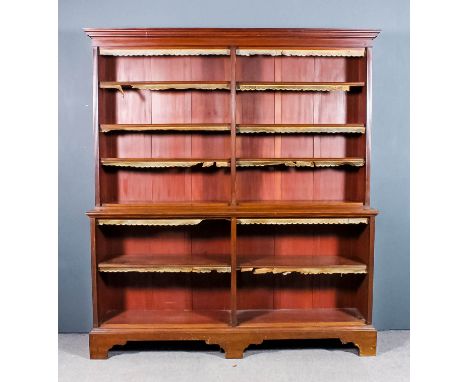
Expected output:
(309, 265)
(300, 317)
(162, 163)
(166, 319)
(166, 85)
(193, 127)
(301, 128)
(301, 162)
(299, 86)
(167, 264)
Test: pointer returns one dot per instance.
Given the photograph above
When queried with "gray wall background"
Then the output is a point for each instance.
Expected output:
(390, 140)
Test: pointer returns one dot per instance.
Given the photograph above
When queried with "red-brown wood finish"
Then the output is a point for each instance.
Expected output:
(217, 279)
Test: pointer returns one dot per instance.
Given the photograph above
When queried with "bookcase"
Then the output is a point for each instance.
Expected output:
(232, 187)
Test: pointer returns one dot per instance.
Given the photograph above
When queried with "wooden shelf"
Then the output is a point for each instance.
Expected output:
(241, 129)
(300, 162)
(224, 85)
(308, 265)
(299, 317)
(225, 210)
(193, 127)
(301, 128)
(224, 163)
(167, 264)
(299, 86)
(166, 85)
(163, 163)
(161, 319)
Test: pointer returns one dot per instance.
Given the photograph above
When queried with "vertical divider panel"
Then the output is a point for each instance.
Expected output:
(368, 106)
(233, 126)
(233, 190)
(233, 271)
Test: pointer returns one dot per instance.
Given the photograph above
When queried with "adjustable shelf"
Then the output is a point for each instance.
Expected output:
(192, 127)
(242, 86)
(301, 128)
(288, 162)
(299, 86)
(165, 85)
(166, 264)
(163, 163)
(301, 162)
(241, 129)
(306, 265)
(232, 199)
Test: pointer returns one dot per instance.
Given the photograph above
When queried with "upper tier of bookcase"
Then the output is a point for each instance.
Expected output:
(278, 119)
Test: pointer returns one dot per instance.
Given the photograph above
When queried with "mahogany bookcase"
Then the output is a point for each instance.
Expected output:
(232, 187)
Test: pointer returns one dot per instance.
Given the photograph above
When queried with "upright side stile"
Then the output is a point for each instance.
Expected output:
(93, 272)
(97, 189)
(370, 272)
(368, 122)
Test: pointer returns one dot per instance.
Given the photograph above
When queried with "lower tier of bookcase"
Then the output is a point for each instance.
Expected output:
(213, 327)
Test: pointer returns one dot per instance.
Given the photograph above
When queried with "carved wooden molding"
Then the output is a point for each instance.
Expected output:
(164, 52)
(290, 129)
(106, 128)
(319, 270)
(157, 163)
(164, 85)
(359, 52)
(357, 162)
(304, 221)
(150, 222)
(149, 163)
(324, 87)
(167, 269)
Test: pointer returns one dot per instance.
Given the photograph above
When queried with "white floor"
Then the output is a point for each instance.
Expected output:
(270, 362)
